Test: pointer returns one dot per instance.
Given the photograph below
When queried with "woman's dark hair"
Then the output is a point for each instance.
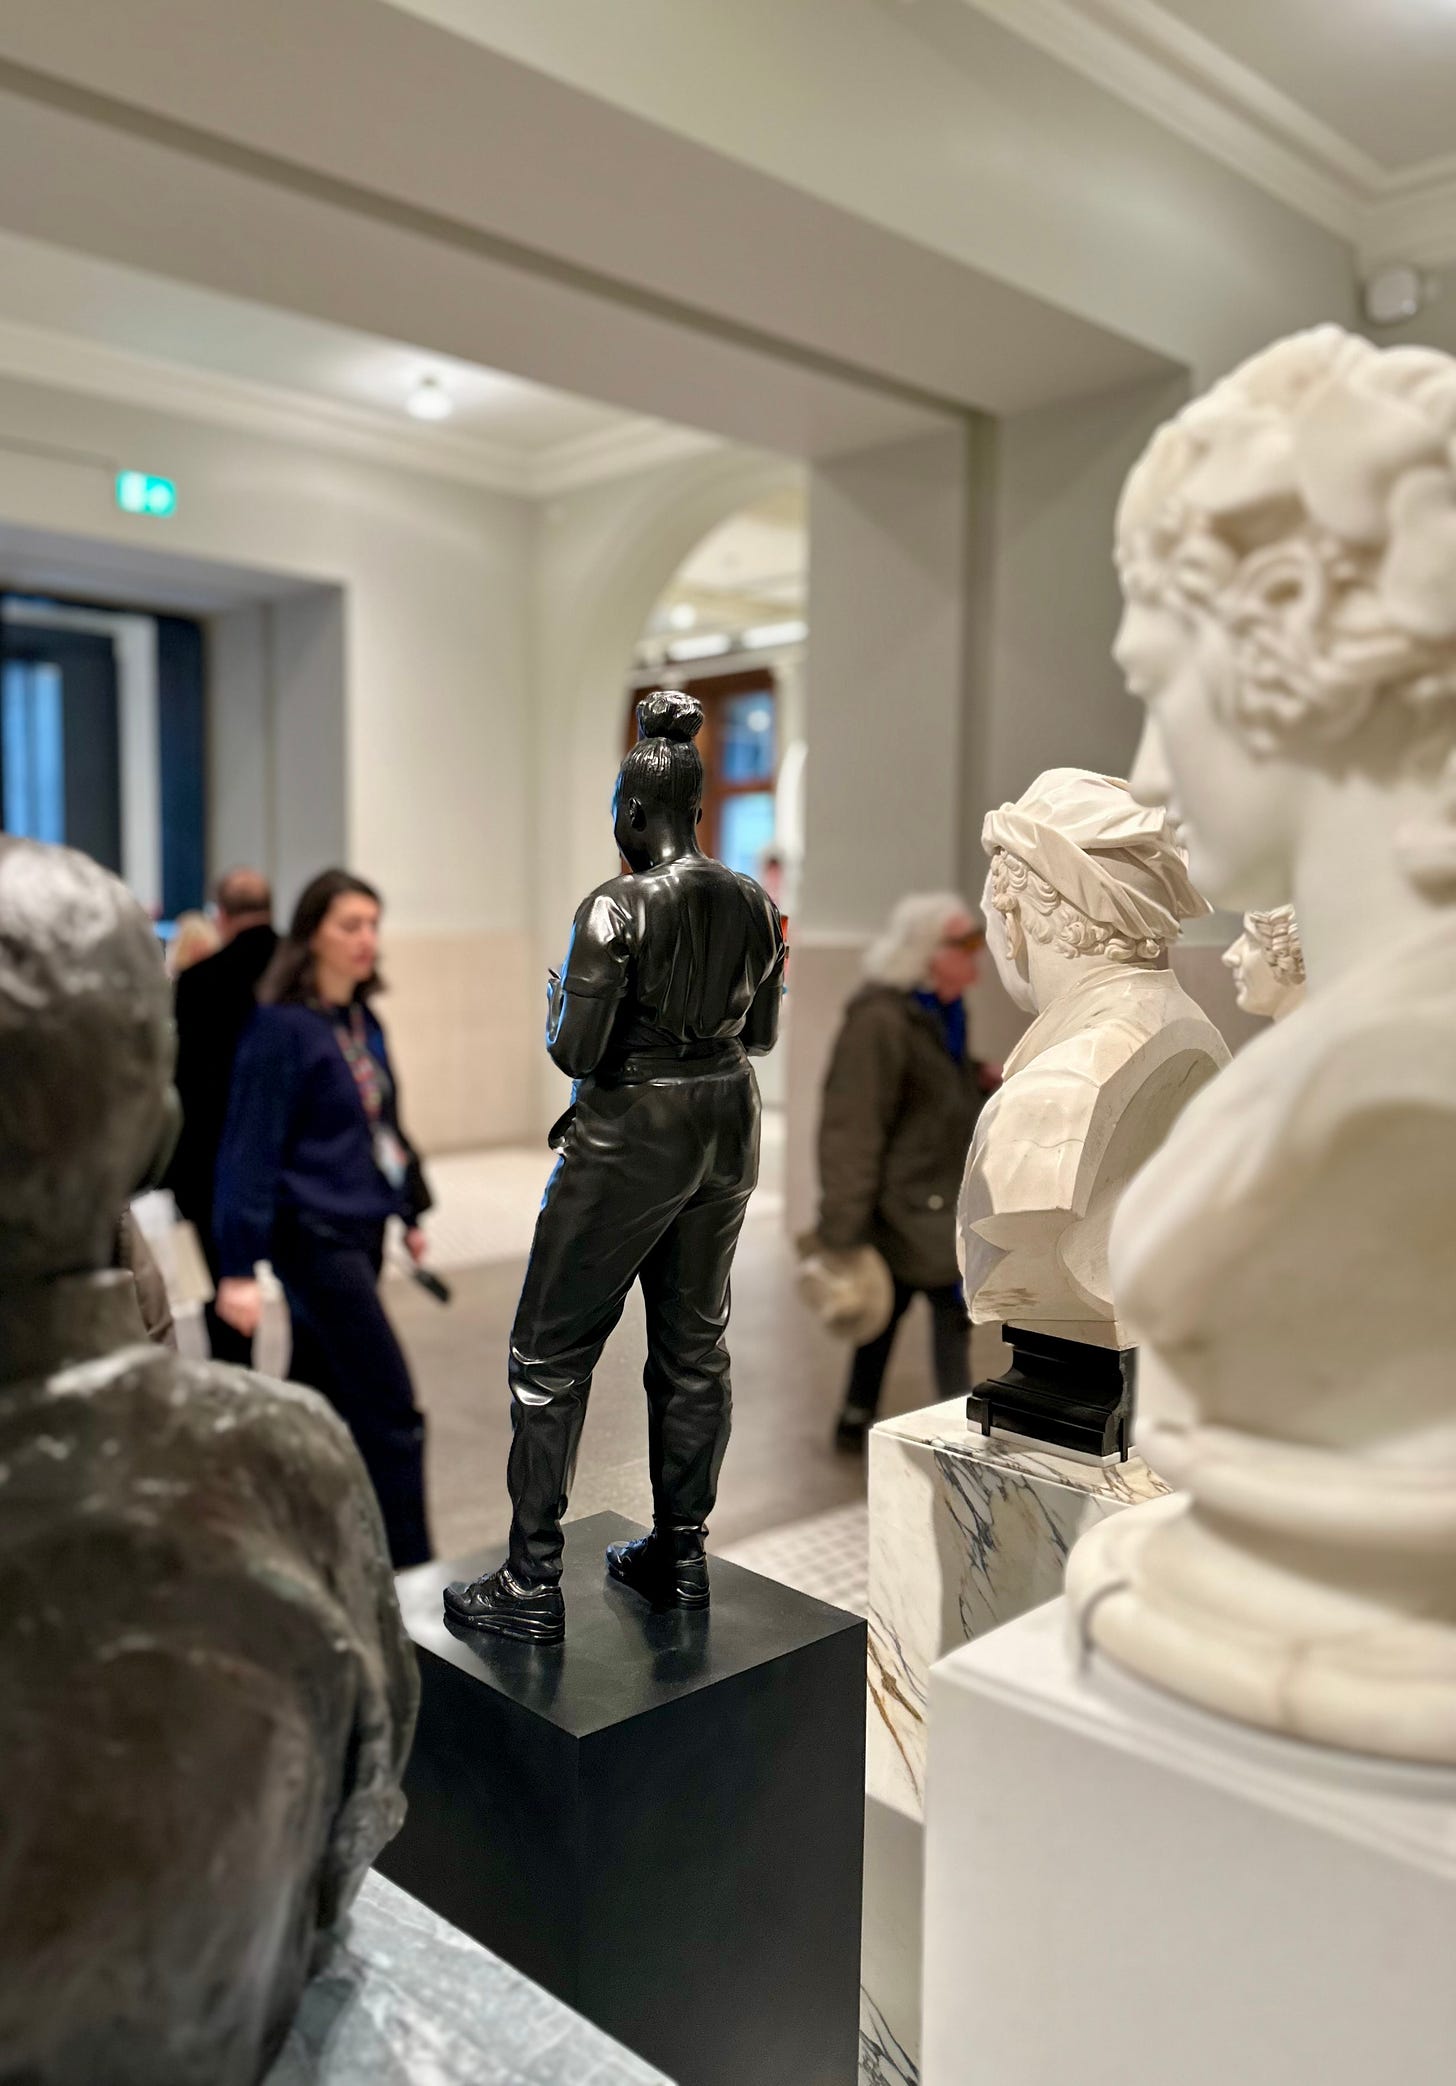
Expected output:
(664, 767)
(289, 978)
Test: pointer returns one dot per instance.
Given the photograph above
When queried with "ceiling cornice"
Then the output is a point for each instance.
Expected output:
(634, 445)
(280, 413)
(1136, 50)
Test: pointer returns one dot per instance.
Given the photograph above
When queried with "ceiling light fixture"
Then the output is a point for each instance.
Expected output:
(765, 635)
(429, 400)
(1393, 293)
(682, 615)
(706, 647)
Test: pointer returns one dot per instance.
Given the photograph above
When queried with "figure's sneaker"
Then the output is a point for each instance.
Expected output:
(506, 1608)
(853, 1424)
(668, 1568)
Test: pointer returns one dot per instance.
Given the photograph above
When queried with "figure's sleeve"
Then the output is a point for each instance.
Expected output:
(583, 1001)
(415, 1197)
(861, 1101)
(761, 1025)
(260, 1112)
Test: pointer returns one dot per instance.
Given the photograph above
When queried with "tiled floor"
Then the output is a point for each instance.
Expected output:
(827, 1556)
(781, 1469)
(486, 1202)
(789, 1504)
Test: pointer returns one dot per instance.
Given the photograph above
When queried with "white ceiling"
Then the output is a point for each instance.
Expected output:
(1344, 109)
(94, 325)
(752, 569)
(1382, 73)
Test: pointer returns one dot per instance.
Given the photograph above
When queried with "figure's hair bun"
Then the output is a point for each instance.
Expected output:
(669, 714)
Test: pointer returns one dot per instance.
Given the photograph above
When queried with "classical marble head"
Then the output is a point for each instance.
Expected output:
(1080, 869)
(206, 1695)
(1267, 962)
(1285, 548)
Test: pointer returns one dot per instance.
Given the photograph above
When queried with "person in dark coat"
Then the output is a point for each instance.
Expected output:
(215, 1001)
(900, 1102)
(313, 1165)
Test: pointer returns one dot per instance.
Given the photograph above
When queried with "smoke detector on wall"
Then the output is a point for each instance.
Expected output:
(1394, 293)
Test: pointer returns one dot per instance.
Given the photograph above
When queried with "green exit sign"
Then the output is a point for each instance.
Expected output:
(138, 492)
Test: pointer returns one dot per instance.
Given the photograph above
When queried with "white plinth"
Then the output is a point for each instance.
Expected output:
(965, 1533)
(1126, 1891)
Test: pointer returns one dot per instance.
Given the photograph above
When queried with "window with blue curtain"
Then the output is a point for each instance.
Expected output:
(739, 744)
(32, 750)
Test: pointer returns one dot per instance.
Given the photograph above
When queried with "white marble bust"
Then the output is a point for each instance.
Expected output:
(1287, 549)
(1267, 962)
(1087, 889)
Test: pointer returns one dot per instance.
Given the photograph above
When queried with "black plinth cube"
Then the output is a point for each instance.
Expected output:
(1066, 1393)
(661, 1821)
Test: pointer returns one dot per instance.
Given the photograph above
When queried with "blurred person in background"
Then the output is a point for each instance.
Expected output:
(900, 1102)
(215, 1001)
(194, 940)
(313, 1165)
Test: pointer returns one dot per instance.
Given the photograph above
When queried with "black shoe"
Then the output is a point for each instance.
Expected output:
(853, 1425)
(668, 1567)
(505, 1607)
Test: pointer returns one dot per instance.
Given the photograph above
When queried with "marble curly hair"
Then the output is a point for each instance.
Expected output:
(1030, 905)
(1307, 505)
(1277, 934)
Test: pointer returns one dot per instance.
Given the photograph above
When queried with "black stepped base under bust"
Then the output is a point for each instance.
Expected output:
(1063, 1392)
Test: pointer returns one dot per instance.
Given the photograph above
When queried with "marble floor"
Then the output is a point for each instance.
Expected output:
(826, 1556)
(781, 1470)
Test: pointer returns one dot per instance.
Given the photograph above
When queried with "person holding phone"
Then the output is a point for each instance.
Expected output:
(313, 1165)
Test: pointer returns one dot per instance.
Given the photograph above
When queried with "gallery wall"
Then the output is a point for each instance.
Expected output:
(390, 671)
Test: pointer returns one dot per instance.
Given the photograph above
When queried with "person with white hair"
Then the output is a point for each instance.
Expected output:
(900, 1103)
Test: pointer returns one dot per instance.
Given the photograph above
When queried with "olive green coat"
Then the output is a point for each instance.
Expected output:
(895, 1128)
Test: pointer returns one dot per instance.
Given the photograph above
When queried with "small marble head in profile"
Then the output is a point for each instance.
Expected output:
(1267, 962)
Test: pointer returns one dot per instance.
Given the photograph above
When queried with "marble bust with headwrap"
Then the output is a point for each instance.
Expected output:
(1086, 892)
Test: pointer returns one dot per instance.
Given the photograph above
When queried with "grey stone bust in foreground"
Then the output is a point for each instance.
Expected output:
(206, 1696)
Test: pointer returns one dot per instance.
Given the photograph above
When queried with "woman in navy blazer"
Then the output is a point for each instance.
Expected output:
(312, 1166)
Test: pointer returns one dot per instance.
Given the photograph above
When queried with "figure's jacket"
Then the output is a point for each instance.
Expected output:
(674, 971)
(216, 999)
(894, 1129)
(298, 1143)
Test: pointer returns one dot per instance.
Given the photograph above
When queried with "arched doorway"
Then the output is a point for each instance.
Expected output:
(610, 559)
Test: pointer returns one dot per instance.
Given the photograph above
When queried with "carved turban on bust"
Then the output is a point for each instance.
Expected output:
(1077, 862)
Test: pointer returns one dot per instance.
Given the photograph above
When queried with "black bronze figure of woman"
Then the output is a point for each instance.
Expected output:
(671, 984)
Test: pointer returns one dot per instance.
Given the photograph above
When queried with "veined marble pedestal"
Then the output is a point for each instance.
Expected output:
(965, 1533)
(1249, 1907)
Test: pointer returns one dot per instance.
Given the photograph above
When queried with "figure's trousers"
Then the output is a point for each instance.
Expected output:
(652, 1184)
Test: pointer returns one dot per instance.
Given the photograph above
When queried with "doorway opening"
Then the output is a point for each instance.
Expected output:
(103, 742)
(731, 628)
